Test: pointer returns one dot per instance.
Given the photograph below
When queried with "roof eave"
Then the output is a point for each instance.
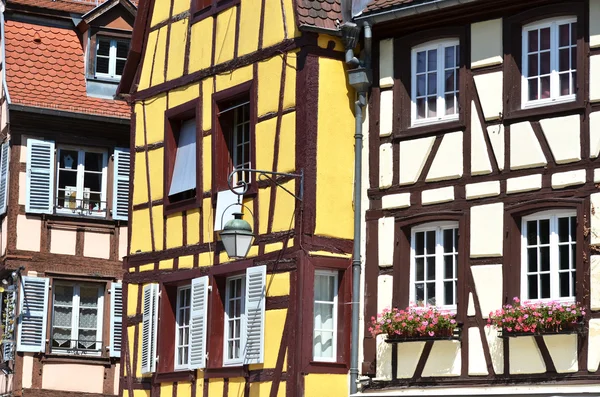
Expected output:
(402, 12)
(64, 113)
(318, 29)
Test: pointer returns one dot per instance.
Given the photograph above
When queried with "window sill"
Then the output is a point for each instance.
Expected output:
(70, 358)
(104, 79)
(175, 376)
(430, 129)
(327, 367)
(550, 109)
(240, 371)
(180, 206)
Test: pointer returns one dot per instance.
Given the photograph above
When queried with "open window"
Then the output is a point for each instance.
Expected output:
(234, 138)
(181, 161)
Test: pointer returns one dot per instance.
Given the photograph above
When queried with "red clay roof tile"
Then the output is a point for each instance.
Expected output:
(377, 5)
(319, 13)
(51, 73)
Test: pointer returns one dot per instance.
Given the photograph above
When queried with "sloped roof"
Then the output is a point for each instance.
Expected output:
(323, 14)
(72, 6)
(50, 72)
(378, 5)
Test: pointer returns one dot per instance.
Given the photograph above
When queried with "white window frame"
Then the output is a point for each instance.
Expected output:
(553, 216)
(555, 96)
(179, 325)
(438, 45)
(335, 275)
(439, 228)
(112, 57)
(240, 360)
(238, 140)
(75, 319)
(80, 164)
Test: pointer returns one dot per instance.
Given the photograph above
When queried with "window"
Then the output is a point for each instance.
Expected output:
(77, 318)
(183, 180)
(548, 256)
(81, 181)
(234, 321)
(435, 81)
(111, 55)
(204, 8)
(182, 332)
(434, 265)
(325, 316)
(549, 61)
(235, 121)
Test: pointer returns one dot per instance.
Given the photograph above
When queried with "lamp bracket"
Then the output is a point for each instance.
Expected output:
(264, 175)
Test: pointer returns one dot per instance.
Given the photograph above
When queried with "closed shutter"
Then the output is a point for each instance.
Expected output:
(4, 159)
(40, 176)
(8, 344)
(255, 314)
(149, 326)
(33, 301)
(120, 207)
(198, 315)
(116, 318)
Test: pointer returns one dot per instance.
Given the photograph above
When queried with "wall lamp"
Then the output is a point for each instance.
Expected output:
(237, 233)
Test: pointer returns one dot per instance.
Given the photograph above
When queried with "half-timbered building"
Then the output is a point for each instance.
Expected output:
(215, 87)
(484, 125)
(64, 165)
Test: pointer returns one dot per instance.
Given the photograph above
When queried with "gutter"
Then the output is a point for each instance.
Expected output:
(536, 390)
(408, 11)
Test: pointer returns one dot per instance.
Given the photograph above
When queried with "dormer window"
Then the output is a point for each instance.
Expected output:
(111, 55)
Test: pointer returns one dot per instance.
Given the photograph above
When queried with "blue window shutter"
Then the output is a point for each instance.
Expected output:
(4, 161)
(149, 328)
(116, 318)
(120, 207)
(40, 176)
(33, 303)
(255, 314)
(198, 316)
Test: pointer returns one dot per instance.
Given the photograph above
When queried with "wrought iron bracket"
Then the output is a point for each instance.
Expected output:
(242, 186)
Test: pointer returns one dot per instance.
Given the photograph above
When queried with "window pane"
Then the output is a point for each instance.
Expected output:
(532, 65)
(573, 228)
(545, 63)
(532, 38)
(102, 65)
(122, 48)
(63, 317)
(563, 35)
(532, 286)
(419, 293)
(432, 106)
(421, 62)
(564, 55)
(88, 296)
(93, 161)
(449, 266)
(545, 91)
(431, 268)
(91, 183)
(421, 108)
(103, 47)
(431, 60)
(430, 240)
(449, 79)
(532, 259)
(324, 316)
(120, 65)
(573, 58)
(457, 48)
(419, 269)
(544, 231)
(449, 99)
(449, 57)
(574, 33)
(88, 318)
(565, 88)
(421, 85)
(448, 240)
(545, 39)
(431, 294)
(63, 295)
(563, 255)
(420, 243)
(448, 292)
(545, 259)
(563, 229)
(545, 286)
(61, 337)
(431, 83)
(323, 344)
(531, 232)
(533, 89)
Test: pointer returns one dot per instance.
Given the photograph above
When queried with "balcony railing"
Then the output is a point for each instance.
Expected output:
(76, 347)
(80, 207)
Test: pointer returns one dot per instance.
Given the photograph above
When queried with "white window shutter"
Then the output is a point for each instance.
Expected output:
(149, 327)
(40, 176)
(4, 159)
(255, 314)
(33, 301)
(198, 316)
(8, 344)
(116, 318)
(120, 207)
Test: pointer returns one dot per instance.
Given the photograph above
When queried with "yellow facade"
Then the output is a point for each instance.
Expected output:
(189, 61)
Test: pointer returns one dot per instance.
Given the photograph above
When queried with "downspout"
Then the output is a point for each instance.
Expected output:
(359, 77)
(3, 38)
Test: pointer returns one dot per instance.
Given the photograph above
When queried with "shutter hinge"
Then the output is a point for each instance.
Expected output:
(210, 288)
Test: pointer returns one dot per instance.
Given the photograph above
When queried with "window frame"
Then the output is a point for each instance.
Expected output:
(512, 28)
(554, 98)
(174, 117)
(553, 216)
(439, 228)
(200, 10)
(335, 303)
(81, 150)
(178, 326)
(112, 56)
(440, 45)
(227, 362)
(75, 316)
(222, 157)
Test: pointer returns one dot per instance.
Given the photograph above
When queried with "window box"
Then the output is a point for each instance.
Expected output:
(415, 323)
(537, 318)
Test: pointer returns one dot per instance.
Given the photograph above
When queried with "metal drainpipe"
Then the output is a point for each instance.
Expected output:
(356, 259)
